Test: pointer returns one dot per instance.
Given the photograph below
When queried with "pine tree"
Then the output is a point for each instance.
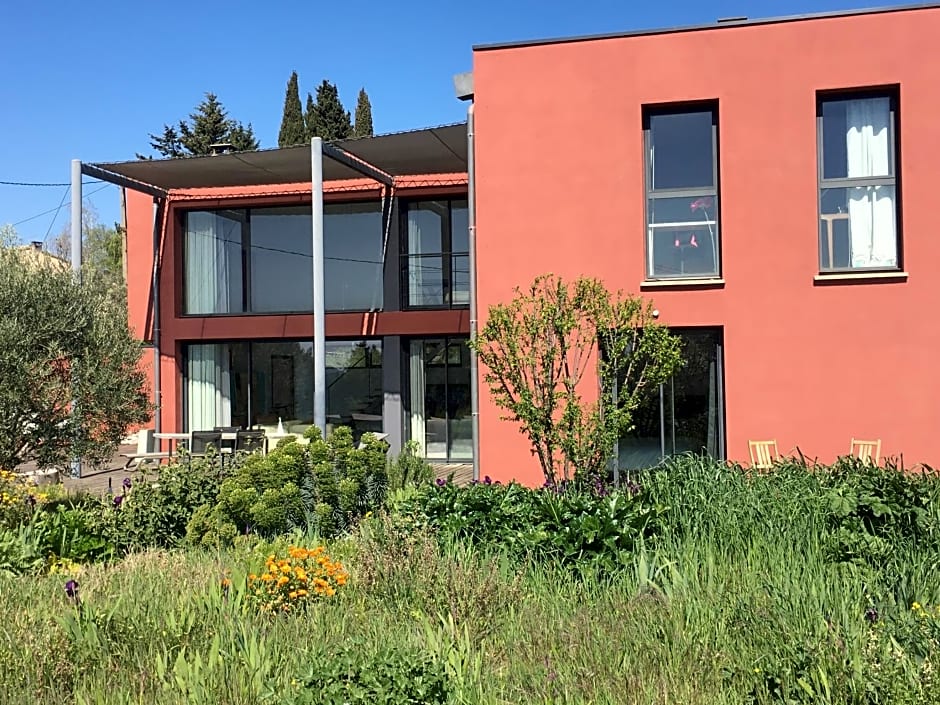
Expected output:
(293, 131)
(209, 124)
(310, 118)
(332, 121)
(363, 126)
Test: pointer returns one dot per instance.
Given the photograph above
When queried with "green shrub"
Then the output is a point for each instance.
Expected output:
(389, 676)
(155, 511)
(568, 524)
(321, 487)
(409, 469)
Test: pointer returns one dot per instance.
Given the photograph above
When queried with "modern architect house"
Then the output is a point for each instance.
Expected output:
(766, 183)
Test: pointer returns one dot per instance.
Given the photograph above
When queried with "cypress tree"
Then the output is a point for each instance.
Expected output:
(332, 121)
(310, 118)
(363, 126)
(293, 130)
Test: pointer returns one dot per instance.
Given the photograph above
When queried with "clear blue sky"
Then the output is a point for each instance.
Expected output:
(90, 80)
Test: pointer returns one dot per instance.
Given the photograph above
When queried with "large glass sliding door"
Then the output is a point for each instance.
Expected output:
(685, 414)
(266, 383)
(439, 385)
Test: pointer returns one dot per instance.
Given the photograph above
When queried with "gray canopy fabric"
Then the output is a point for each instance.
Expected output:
(435, 150)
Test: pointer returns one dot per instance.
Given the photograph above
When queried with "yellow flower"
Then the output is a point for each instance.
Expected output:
(916, 607)
(282, 581)
(301, 593)
(267, 577)
(292, 595)
(252, 577)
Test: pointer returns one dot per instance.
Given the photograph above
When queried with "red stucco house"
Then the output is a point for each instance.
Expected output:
(767, 183)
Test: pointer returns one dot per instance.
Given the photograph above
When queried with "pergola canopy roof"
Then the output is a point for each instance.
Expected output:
(435, 150)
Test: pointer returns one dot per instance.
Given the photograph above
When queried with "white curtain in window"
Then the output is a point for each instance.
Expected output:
(416, 369)
(207, 266)
(416, 264)
(209, 387)
(871, 208)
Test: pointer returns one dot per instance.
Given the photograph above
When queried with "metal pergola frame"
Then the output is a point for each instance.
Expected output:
(347, 164)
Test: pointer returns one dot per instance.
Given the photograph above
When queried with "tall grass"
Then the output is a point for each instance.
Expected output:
(738, 599)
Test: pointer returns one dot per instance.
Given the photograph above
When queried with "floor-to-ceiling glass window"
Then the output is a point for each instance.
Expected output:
(685, 414)
(271, 382)
(354, 395)
(439, 386)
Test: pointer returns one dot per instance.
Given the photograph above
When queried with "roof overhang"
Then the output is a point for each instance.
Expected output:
(435, 150)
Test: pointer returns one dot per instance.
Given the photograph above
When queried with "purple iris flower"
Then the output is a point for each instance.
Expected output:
(117, 500)
(71, 589)
(127, 483)
(441, 482)
(487, 480)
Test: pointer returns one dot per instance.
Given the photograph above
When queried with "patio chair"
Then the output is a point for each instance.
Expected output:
(249, 441)
(763, 454)
(200, 442)
(145, 450)
(866, 451)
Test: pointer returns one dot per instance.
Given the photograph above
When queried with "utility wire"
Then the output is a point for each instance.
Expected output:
(56, 216)
(40, 215)
(33, 183)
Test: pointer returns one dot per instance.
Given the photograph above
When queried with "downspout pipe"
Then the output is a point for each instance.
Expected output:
(159, 206)
(76, 254)
(474, 364)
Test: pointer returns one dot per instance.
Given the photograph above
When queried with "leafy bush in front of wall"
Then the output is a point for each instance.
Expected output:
(323, 486)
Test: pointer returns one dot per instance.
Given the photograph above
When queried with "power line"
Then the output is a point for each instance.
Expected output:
(36, 183)
(56, 216)
(40, 215)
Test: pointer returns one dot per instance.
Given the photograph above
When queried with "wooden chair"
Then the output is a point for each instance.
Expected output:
(763, 454)
(866, 451)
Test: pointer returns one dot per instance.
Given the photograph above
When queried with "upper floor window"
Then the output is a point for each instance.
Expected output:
(858, 194)
(260, 260)
(435, 254)
(682, 192)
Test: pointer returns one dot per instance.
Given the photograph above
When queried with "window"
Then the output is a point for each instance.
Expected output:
(682, 193)
(858, 197)
(685, 413)
(261, 383)
(261, 260)
(435, 254)
(439, 385)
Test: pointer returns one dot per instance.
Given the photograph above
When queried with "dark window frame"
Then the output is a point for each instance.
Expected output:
(447, 255)
(249, 344)
(246, 278)
(650, 111)
(892, 93)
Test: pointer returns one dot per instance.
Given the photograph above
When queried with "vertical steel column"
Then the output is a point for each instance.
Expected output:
(472, 222)
(319, 307)
(76, 469)
(159, 207)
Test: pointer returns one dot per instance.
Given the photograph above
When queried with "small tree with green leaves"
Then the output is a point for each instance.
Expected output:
(208, 124)
(537, 351)
(61, 340)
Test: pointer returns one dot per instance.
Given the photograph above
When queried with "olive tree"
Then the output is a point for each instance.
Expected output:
(63, 341)
(537, 351)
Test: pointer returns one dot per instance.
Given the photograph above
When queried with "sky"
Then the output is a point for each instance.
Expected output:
(90, 80)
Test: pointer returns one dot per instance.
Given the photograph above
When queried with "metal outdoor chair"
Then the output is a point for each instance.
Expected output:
(866, 451)
(249, 441)
(201, 441)
(763, 454)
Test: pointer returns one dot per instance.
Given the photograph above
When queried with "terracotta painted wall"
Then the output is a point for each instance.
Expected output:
(560, 188)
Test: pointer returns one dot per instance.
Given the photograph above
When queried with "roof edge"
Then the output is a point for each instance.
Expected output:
(702, 27)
